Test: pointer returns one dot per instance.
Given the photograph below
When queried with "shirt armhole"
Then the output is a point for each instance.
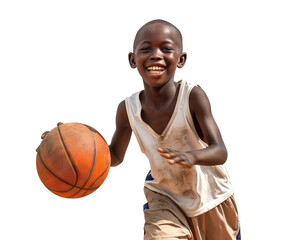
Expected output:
(189, 115)
(131, 121)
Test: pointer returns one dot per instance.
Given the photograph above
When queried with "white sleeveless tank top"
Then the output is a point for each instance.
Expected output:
(195, 190)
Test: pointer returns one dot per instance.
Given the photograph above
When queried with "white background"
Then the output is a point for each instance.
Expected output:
(67, 61)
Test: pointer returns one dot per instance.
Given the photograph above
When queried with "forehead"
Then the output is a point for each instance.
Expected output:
(158, 32)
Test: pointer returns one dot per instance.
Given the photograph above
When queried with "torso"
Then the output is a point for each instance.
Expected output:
(195, 190)
(158, 117)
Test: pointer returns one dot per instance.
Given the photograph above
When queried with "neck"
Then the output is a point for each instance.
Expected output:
(160, 96)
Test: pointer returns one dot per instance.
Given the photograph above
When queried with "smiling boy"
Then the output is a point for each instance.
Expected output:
(188, 189)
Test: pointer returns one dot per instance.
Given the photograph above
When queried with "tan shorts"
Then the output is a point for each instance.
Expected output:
(165, 220)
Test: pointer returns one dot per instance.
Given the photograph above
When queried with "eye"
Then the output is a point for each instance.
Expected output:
(167, 49)
(145, 49)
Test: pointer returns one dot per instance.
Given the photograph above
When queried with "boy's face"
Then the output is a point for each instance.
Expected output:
(157, 54)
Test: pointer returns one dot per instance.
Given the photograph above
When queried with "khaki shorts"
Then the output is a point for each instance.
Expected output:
(165, 220)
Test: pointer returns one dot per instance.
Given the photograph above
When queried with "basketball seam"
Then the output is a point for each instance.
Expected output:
(69, 157)
(94, 130)
(41, 159)
(92, 167)
(102, 174)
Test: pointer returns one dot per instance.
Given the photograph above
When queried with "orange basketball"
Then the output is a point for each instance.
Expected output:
(72, 160)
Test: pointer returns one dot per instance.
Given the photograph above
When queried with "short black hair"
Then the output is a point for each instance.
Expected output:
(161, 22)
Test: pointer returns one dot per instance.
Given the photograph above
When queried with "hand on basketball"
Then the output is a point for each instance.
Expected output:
(175, 156)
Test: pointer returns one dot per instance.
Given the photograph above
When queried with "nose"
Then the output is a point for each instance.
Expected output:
(156, 54)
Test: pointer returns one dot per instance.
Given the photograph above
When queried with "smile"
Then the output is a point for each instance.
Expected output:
(155, 69)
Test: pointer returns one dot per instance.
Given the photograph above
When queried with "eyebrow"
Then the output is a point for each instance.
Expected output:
(164, 42)
(145, 42)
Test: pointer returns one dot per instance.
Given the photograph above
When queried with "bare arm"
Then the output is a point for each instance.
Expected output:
(215, 153)
(121, 137)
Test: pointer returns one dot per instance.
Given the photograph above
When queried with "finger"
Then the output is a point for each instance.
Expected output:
(174, 159)
(163, 150)
(171, 162)
(44, 134)
(183, 164)
(160, 150)
(166, 155)
(180, 161)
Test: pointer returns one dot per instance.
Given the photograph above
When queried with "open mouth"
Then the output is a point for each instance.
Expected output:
(155, 69)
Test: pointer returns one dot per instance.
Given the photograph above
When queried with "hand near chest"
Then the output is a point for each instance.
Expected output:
(215, 153)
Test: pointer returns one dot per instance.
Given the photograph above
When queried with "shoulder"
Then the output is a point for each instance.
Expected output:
(122, 115)
(198, 101)
(121, 109)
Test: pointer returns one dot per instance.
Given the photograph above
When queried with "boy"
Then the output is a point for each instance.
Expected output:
(188, 189)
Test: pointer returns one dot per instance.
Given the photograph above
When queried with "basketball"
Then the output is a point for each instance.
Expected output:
(72, 160)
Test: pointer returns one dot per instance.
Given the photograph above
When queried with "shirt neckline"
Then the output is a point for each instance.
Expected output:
(172, 118)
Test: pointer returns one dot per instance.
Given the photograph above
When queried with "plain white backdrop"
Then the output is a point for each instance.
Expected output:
(67, 61)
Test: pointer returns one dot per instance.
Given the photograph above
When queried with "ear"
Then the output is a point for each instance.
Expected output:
(132, 60)
(182, 60)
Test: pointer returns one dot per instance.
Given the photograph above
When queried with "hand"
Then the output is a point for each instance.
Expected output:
(179, 157)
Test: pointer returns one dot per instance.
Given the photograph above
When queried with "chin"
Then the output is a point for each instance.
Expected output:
(155, 82)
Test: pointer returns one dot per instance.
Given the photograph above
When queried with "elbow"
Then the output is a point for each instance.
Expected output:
(115, 160)
(223, 155)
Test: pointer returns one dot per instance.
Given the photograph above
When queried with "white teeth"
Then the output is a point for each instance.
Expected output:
(155, 68)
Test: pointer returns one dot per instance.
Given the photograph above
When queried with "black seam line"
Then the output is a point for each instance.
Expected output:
(92, 167)
(83, 189)
(108, 166)
(94, 130)
(40, 158)
(70, 159)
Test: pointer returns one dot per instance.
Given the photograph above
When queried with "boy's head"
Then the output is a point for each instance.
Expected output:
(161, 22)
(157, 52)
